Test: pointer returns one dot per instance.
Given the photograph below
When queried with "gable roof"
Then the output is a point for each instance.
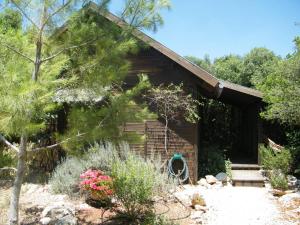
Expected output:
(202, 74)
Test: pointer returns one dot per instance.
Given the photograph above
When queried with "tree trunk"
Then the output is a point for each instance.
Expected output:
(15, 195)
(166, 136)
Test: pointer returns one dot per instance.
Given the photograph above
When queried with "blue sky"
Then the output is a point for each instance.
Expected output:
(220, 27)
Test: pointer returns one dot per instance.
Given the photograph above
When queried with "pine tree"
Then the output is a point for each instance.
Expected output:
(47, 56)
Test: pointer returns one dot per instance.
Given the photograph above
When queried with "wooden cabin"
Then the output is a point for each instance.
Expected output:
(163, 66)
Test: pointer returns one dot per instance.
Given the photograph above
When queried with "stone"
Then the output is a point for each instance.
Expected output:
(45, 220)
(292, 181)
(196, 215)
(202, 182)
(221, 177)
(200, 208)
(289, 199)
(197, 199)
(210, 179)
(60, 214)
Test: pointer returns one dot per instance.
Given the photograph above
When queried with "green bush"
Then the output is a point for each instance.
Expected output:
(278, 180)
(7, 158)
(135, 182)
(275, 160)
(212, 161)
(66, 177)
(228, 168)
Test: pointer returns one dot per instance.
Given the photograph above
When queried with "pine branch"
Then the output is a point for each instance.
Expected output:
(8, 143)
(65, 49)
(64, 5)
(57, 144)
(18, 52)
(25, 14)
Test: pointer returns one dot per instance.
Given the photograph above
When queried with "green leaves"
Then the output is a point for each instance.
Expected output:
(145, 14)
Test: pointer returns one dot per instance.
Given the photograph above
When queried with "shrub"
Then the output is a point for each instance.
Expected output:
(275, 161)
(7, 158)
(135, 182)
(212, 161)
(66, 177)
(228, 168)
(278, 180)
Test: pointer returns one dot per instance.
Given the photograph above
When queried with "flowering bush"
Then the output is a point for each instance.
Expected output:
(97, 183)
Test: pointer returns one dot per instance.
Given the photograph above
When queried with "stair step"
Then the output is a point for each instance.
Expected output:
(235, 166)
(252, 178)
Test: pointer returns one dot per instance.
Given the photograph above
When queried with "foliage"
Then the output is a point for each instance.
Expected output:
(7, 158)
(230, 68)
(135, 10)
(66, 176)
(97, 184)
(271, 160)
(212, 161)
(135, 182)
(278, 180)
(203, 63)
(171, 103)
(228, 168)
(281, 89)
(258, 64)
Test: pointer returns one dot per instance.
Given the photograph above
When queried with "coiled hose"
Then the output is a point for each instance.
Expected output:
(183, 175)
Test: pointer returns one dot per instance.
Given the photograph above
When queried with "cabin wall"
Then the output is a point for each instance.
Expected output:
(183, 136)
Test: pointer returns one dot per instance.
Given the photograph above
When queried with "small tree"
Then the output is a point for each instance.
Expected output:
(172, 103)
(35, 65)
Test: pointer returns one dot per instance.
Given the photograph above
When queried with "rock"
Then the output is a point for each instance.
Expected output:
(292, 181)
(45, 220)
(289, 199)
(210, 179)
(202, 182)
(196, 215)
(60, 214)
(221, 177)
(201, 208)
(197, 199)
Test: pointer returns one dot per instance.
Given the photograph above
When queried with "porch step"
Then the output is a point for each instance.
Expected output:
(236, 166)
(250, 176)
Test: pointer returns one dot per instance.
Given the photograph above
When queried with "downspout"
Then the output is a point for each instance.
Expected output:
(219, 89)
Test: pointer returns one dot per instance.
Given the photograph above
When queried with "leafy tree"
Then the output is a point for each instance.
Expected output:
(258, 64)
(37, 64)
(281, 89)
(230, 68)
(172, 103)
(203, 63)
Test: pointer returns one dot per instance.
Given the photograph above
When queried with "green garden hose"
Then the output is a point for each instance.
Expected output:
(183, 175)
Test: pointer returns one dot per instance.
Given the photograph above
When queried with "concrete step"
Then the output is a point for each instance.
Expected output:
(236, 166)
(252, 178)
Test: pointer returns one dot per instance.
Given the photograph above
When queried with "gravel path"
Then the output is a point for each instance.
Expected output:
(242, 206)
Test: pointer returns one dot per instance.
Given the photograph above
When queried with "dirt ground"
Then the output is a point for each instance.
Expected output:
(226, 206)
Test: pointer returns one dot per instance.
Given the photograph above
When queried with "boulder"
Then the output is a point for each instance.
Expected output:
(292, 181)
(221, 177)
(59, 214)
(202, 182)
(211, 179)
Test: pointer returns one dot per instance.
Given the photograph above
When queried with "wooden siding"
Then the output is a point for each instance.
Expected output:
(181, 139)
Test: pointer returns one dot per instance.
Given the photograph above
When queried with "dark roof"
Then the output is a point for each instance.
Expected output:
(218, 85)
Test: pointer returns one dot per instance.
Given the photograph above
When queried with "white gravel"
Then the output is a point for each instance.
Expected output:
(242, 206)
